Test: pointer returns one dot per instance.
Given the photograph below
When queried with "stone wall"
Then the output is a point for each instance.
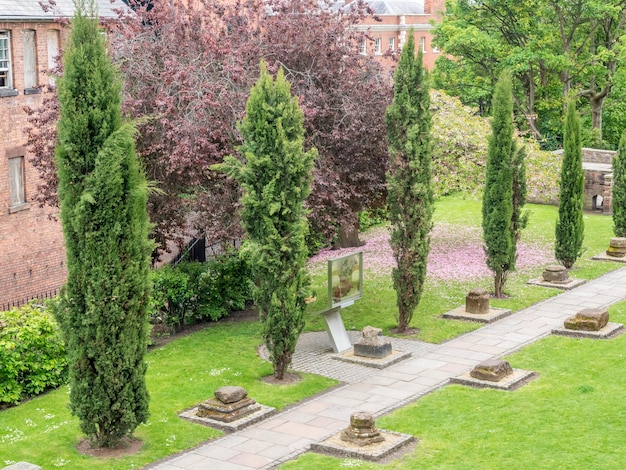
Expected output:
(598, 156)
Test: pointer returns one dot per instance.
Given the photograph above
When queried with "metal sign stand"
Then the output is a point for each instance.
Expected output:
(336, 330)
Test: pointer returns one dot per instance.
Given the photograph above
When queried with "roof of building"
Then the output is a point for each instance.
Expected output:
(396, 7)
(389, 7)
(32, 10)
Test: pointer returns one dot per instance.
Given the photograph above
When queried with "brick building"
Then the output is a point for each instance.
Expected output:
(397, 18)
(32, 256)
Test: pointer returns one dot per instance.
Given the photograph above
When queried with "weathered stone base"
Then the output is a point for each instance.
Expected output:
(494, 314)
(373, 452)
(511, 382)
(558, 285)
(611, 330)
(259, 415)
(22, 466)
(605, 257)
(377, 363)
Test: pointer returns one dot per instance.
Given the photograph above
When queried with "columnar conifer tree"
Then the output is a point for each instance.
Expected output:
(497, 209)
(570, 226)
(409, 188)
(102, 194)
(275, 179)
(619, 189)
(519, 218)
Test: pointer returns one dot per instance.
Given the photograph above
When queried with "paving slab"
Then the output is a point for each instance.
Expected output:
(266, 444)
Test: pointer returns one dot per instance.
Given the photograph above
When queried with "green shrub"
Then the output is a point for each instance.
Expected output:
(193, 291)
(32, 355)
(373, 217)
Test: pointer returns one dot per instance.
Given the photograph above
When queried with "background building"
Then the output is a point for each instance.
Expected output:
(32, 256)
(397, 18)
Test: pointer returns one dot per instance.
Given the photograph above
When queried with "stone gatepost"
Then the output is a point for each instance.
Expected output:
(230, 404)
(617, 247)
(372, 344)
(556, 274)
(492, 370)
(589, 319)
(477, 301)
(362, 430)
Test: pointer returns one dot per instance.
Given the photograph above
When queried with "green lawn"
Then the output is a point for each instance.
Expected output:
(573, 407)
(457, 215)
(180, 375)
(571, 417)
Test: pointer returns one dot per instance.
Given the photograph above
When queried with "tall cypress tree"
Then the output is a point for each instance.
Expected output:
(570, 225)
(619, 189)
(409, 181)
(276, 179)
(102, 194)
(519, 217)
(497, 209)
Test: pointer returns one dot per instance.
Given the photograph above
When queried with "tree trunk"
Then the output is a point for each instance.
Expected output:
(596, 104)
(348, 235)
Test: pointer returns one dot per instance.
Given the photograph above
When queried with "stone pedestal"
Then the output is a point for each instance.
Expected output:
(617, 247)
(362, 430)
(372, 344)
(477, 302)
(492, 370)
(589, 319)
(229, 404)
(556, 274)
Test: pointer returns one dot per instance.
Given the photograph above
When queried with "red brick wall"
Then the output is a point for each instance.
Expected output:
(32, 257)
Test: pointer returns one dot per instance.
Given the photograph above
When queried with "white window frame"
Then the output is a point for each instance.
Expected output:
(364, 47)
(17, 182)
(5, 59)
(378, 46)
(392, 44)
(423, 44)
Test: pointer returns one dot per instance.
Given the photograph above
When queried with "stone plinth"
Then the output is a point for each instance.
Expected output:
(510, 382)
(556, 274)
(617, 247)
(477, 302)
(609, 331)
(372, 344)
(362, 430)
(229, 404)
(589, 319)
(492, 370)
(22, 466)
(494, 314)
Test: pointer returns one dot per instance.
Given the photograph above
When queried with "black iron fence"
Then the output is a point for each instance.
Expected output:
(49, 294)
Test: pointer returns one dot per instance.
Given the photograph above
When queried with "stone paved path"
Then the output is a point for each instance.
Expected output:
(379, 391)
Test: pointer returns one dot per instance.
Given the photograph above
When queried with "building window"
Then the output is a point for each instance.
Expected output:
(435, 49)
(17, 194)
(392, 44)
(5, 59)
(378, 46)
(53, 53)
(364, 46)
(423, 44)
(30, 59)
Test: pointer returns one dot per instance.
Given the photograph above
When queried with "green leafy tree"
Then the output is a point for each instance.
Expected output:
(619, 189)
(102, 194)
(570, 226)
(497, 208)
(275, 179)
(409, 181)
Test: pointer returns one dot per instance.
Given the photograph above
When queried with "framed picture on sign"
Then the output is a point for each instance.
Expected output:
(345, 280)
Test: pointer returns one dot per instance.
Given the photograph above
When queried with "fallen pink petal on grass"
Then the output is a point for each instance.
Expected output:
(456, 254)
